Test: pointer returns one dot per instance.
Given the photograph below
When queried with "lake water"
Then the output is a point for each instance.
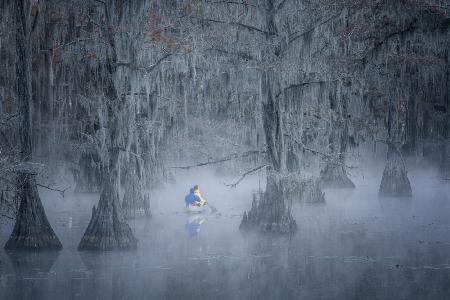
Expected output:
(355, 246)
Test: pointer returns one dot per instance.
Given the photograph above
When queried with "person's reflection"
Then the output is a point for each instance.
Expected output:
(193, 225)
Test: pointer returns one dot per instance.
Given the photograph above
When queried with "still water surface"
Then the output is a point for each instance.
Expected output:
(355, 246)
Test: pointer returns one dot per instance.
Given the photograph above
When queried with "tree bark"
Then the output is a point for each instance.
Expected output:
(134, 203)
(395, 182)
(32, 229)
(87, 174)
(272, 213)
(107, 229)
(334, 175)
(445, 161)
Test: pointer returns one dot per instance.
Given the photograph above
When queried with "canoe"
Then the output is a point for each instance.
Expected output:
(195, 209)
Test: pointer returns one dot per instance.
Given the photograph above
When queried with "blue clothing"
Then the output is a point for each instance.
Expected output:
(193, 225)
(191, 199)
(193, 228)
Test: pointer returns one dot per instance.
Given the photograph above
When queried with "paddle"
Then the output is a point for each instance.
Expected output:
(213, 208)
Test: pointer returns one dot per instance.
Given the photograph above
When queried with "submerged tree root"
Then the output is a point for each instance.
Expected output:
(256, 219)
(107, 229)
(270, 214)
(32, 231)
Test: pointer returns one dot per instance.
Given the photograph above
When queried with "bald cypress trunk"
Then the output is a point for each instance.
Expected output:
(32, 229)
(395, 182)
(445, 162)
(87, 173)
(134, 202)
(334, 175)
(272, 213)
(107, 229)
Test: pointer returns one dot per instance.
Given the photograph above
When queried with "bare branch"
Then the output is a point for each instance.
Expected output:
(35, 19)
(221, 160)
(144, 68)
(53, 189)
(246, 26)
(233, 185)
(6, 216)
(331, 159)
(100, 1)
(244, 3)
(294, 36)
(410, 28)
(293, 86)
(240, 54)
(152, 67)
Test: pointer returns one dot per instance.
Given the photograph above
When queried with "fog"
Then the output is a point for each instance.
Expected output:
(355, 246)
(317, 131)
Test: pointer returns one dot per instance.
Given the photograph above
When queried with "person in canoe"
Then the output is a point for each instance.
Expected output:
(195, 201)
(192, 199)
(201, 200)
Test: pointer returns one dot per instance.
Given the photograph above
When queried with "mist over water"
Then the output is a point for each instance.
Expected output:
(355, 246)
(132, 103)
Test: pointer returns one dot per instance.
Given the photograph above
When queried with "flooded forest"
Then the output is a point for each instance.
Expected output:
(221, 149)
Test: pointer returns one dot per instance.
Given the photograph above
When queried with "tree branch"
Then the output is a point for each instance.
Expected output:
(294, 36)
(293, 86)
(244, 3)
(53, 189)
(220, 160)
(143, 68)
(246, 26)
(35, 21)
(100, 1)
(240, 54)
(330, 158)
(411, 27)
(233, 185)
(6, 216)
(149, 69)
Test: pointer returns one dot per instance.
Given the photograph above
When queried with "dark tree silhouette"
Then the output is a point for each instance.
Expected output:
(32, 229)
(108, 229)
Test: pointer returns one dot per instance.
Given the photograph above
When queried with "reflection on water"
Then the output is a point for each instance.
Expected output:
(32, 271)
(193, 224)
(356, 246)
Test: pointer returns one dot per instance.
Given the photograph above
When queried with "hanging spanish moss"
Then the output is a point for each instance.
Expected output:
(170, 128)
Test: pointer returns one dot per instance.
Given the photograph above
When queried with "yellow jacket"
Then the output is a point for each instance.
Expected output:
(199, 195)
